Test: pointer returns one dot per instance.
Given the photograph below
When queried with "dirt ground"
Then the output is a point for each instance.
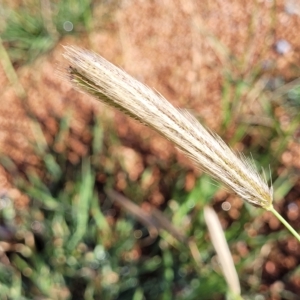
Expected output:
(179, 48)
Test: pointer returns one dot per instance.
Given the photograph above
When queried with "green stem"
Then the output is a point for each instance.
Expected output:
(10, 71)
(285, 223)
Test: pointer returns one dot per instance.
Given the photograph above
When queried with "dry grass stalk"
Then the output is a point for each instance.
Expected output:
(219, 242)
(93, 74)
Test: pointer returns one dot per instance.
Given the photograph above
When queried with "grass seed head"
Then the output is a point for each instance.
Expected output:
(93, 74)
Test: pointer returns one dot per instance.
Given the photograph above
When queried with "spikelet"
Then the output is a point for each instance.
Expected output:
(93, 74)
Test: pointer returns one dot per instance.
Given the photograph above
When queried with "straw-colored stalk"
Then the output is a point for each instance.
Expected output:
(218, 240)
(94, 75)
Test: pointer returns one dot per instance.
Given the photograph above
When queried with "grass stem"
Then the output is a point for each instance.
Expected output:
(284, 222)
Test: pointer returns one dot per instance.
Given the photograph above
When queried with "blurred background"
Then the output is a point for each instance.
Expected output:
(94, 205)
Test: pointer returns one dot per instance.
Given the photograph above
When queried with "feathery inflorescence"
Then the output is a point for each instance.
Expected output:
(93, 74)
